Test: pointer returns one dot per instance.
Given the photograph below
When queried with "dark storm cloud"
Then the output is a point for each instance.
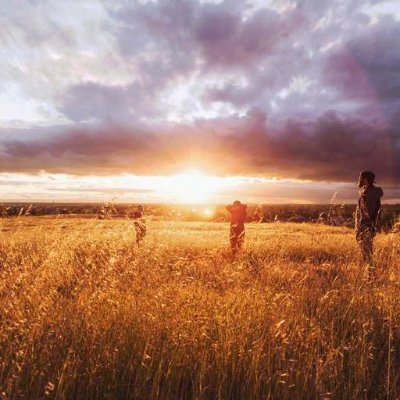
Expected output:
(330, 148)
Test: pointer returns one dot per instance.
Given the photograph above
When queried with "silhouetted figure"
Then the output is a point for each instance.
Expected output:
(258, 215)
(367, 216)
(322, 218)
(140, 224)
(238, 217)
(106, 211)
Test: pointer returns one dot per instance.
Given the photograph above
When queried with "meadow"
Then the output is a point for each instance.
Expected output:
(86, 314)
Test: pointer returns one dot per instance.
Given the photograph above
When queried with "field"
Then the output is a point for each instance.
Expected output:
(86, 314)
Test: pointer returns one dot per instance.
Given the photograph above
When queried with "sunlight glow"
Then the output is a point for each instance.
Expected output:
(208, 212)
(192, 186)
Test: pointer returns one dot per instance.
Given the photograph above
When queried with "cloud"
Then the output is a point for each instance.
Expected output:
(366, 62)
(330, 148)
(344, 58)
(97, 102)
(242, 57)
(327, 75)
(170, 43)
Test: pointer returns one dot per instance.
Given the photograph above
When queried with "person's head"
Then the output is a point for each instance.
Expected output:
(366, 178)
(140, 208)
(237, 203)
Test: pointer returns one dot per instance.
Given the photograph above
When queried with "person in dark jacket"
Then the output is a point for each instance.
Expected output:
(140, 224)
(238, 218)
(367, 216)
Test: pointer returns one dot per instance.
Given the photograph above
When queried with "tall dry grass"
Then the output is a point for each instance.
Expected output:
(85, 314)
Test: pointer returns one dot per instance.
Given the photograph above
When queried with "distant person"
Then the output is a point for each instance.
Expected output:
(258, 215)
(140, 224)
(238, 217)
(367, 216)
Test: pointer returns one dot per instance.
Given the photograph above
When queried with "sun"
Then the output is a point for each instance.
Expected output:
(208, 212)
(191, 186)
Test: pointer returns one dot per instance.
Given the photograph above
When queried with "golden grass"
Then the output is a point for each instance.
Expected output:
(86, 314)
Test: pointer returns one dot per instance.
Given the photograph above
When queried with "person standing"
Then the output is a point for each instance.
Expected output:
(367, 217)
(140, 224)
(238, 218)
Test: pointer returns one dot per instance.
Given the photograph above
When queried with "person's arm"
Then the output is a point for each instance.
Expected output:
(229, 208)
(378, 215)
(379, 203)
(373, 203)
(357, 216)
(365, 206)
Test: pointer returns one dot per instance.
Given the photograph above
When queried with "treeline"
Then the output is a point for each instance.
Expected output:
(331, 214)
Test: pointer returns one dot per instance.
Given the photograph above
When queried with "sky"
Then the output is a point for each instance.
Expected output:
(273, 101)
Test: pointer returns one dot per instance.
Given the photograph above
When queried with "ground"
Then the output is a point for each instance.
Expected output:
(88, 314)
